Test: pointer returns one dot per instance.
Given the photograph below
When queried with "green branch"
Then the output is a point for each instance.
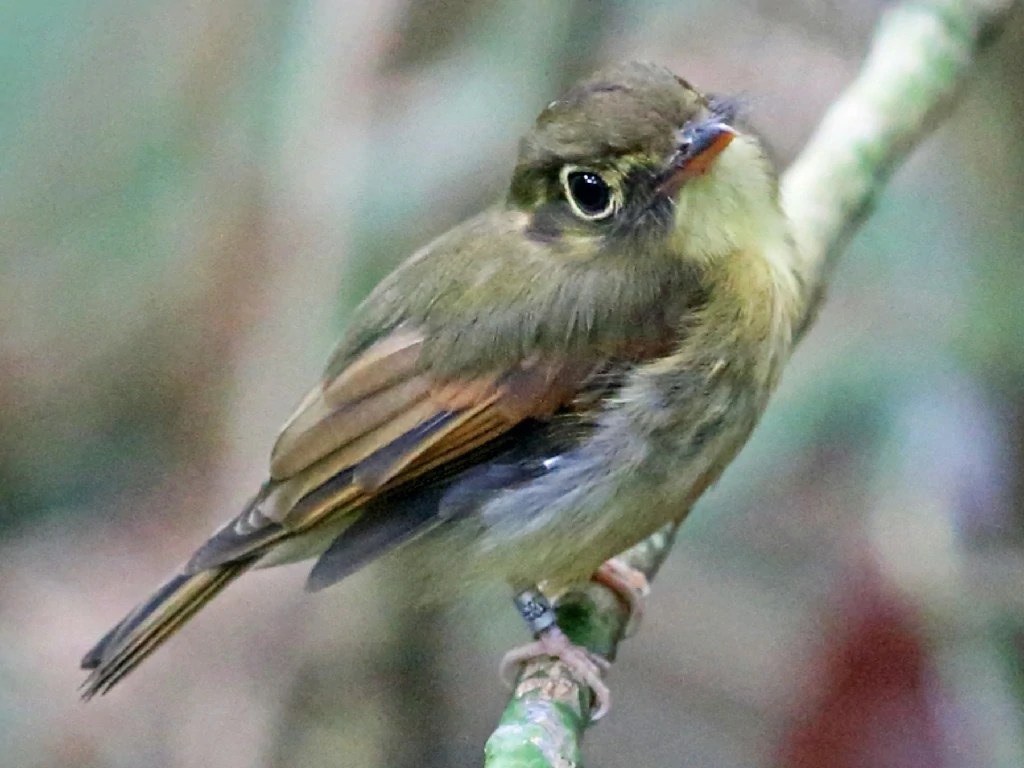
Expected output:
(920, 58)
(550, 708)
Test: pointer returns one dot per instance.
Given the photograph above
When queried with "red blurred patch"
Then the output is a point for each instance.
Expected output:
(872, 699)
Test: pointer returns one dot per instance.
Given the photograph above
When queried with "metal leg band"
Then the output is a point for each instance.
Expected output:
(535, 610)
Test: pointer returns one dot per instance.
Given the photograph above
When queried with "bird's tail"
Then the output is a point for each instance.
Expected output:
(146, 628)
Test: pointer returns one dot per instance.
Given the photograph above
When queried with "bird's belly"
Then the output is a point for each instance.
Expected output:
(559, 529)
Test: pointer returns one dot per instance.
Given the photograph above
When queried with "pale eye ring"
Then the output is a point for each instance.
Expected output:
(590, 196)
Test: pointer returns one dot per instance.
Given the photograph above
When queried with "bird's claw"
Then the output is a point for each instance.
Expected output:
(554, 643)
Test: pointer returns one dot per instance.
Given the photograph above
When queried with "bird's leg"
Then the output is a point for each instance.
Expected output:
(629, 585)
(551, 641)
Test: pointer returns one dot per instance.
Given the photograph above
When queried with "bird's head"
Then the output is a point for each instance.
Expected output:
(634, 157)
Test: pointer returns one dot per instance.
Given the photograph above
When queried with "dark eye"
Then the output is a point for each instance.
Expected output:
(588, 194)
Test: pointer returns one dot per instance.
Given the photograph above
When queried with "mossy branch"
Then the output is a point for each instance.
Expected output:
(920, 57)
(543, 724)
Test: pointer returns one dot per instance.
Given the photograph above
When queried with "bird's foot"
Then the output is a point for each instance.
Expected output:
(629, 585)
(554, 643)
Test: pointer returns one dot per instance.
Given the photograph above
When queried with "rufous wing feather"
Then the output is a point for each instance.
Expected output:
(372, 428)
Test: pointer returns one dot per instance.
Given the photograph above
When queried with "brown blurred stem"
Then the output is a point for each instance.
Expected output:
(920, 57)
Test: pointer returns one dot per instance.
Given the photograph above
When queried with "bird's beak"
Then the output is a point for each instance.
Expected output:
(699, 145)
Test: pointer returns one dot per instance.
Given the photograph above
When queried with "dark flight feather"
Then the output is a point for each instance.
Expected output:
(374, 533)
(450, 491)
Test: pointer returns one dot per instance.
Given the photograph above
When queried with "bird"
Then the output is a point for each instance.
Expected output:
(539, 388)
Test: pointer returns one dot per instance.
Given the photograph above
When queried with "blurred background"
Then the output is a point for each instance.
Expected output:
(192, 197)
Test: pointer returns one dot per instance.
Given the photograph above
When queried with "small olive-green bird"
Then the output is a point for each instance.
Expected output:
(541, 387)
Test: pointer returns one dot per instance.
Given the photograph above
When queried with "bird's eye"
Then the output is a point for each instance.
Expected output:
(589, 195)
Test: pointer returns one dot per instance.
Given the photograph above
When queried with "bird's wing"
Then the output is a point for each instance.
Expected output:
(375, 425)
